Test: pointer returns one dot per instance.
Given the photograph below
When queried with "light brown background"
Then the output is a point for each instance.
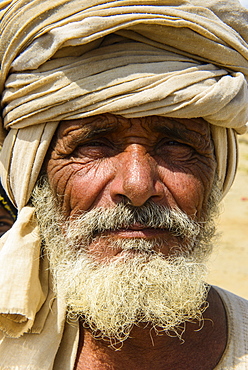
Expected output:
(229, 262)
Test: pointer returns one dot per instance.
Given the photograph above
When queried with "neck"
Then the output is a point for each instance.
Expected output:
(145, 349)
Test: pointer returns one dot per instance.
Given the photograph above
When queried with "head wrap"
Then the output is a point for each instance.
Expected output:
(65, 60)
(72, 59)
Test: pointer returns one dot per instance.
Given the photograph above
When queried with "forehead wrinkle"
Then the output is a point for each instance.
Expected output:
(92, 130)
(96, 131)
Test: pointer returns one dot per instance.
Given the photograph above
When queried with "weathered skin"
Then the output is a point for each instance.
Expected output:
(99, 161)
(102, 160)
(6, 221)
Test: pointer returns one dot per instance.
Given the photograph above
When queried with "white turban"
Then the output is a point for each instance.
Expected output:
(64, 60)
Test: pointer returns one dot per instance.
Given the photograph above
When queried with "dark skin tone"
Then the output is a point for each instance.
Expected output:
(6, 221)
(103, 160)
(201, 350)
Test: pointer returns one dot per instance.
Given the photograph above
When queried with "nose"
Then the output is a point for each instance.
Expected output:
(136, 178)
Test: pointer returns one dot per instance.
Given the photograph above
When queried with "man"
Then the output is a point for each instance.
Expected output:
(120, 122)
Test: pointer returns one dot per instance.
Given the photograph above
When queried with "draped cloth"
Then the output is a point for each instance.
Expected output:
(64, 60)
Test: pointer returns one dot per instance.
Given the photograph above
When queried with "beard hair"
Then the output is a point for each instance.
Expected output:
(140, 285)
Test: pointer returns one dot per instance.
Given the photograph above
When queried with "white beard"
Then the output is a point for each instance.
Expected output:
(138, 286)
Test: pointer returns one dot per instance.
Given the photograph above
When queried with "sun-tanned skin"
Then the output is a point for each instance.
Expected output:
(103, 160)
(6, 221)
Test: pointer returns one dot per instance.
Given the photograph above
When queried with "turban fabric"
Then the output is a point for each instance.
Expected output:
(72, 59)
(64, 60)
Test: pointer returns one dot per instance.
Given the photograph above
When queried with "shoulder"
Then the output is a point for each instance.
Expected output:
(234, 304)
(236, 353)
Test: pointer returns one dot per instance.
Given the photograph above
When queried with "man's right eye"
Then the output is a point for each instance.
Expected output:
(94, 149)
(95, 143)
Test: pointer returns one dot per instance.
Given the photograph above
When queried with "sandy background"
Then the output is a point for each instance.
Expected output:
(229, 262)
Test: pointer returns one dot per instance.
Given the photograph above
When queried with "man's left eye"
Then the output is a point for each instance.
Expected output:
(174, 142)
(174, 149)
(167, 142)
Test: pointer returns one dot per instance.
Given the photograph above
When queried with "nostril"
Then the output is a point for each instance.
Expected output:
(123, 199)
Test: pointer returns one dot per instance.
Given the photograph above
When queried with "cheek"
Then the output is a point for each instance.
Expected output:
(86, 190)
(191, 185)
(79, 187)
(189, 194)
(190, 190)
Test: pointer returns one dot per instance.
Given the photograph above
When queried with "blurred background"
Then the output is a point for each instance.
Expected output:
(229, 262)
(244, 3)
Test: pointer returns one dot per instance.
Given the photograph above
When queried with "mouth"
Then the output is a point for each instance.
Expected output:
(134, 238)
(137, 231)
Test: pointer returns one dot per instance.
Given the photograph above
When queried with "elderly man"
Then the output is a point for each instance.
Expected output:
(119, 140)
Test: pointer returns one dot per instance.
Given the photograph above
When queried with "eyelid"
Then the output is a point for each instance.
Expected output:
(94, 142)
(175, 142)
(172, 141)
(94, 147)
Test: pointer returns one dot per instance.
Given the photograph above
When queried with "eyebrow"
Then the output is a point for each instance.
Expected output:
(93, 130)
(99, 131)
(176, 132)
(181, 134)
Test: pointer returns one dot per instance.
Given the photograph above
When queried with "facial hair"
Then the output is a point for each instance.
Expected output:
(139, 285)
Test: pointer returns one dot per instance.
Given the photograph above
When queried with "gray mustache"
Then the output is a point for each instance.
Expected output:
(150, 215)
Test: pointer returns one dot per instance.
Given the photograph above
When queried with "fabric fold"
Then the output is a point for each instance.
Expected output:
(63, 60)
(21, 276)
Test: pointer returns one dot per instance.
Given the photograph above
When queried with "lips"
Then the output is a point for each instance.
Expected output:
(137, 227)
(136, 231)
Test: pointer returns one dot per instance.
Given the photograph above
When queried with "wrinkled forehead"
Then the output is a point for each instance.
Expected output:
(67, 60)
(193, 129)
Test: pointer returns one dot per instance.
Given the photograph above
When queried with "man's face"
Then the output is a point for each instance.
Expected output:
(127, 221)
(106, 160)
